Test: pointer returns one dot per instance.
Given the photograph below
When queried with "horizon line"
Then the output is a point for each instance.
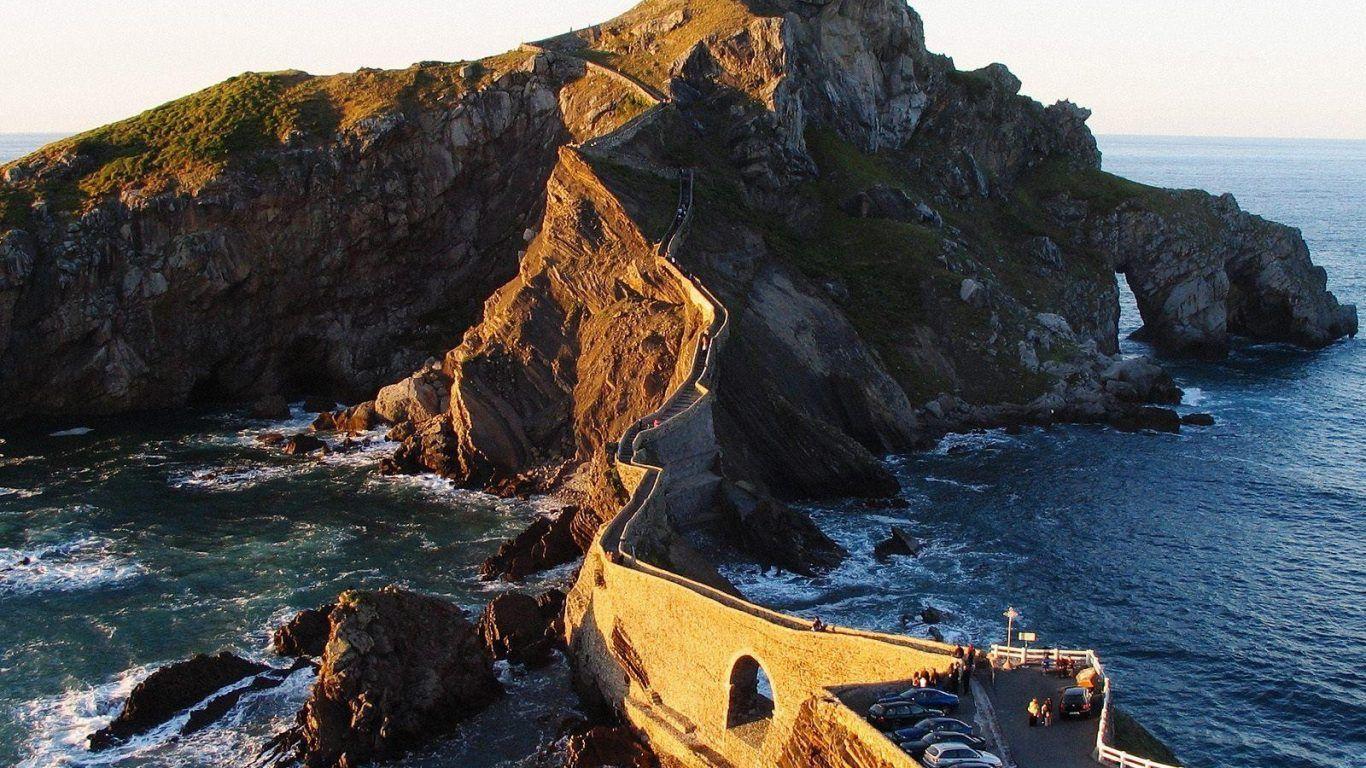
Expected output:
(1108, 134)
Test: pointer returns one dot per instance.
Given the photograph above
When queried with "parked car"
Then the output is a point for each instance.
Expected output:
(899, 714)
(956, 754)
(931, 725)
(917, 748)
(926, 697)
(1079, 702)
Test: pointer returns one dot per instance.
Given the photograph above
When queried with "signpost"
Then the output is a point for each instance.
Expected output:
(1027, 638)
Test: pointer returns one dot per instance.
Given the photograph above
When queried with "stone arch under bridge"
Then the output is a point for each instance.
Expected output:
(750, 695)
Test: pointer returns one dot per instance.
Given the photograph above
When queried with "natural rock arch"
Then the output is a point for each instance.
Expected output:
(749, 693)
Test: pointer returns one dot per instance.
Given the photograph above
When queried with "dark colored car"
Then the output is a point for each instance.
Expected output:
(1079, 702)
(891, 715)
(931, 725)
(917, 748)
(926, 697)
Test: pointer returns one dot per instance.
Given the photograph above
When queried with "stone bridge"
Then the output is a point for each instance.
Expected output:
(707, 678)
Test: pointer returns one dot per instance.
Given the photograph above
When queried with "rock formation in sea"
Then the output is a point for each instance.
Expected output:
(398, 669)
(174, 689)
(906, 249)
(468, 251)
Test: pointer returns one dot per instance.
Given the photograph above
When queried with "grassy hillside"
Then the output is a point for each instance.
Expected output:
(190, 140)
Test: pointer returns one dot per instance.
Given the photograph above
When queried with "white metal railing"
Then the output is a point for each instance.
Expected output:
(1105, 753)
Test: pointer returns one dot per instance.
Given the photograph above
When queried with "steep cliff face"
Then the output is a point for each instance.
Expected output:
(906, 248)
(278, 233)
(585, 339)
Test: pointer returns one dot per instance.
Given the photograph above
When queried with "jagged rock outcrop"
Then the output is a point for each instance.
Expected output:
(776, 535)
(305, 634)
(905, 249)
(521, 628)
(586, 338)
(952, 279)
(171, 690)
(399, 668)
(549, 541)
(1202, 269)
(277, 233)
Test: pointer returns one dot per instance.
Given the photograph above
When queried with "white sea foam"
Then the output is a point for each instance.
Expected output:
(19, 493)
(88, 562)
(974, 487)
(1194, 397)
(58, 726)
(73, 432)
(853, 595)
(973, 441)
(227, 478)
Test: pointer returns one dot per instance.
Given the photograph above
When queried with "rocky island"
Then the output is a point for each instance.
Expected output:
(676, 269)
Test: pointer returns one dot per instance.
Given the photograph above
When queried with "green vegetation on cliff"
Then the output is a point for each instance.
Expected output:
(901, 285)
(187, 142)
(675, 26)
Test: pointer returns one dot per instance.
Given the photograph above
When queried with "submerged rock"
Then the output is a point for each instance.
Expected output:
(303, 443)
(776, 534)
(169, 691)
(1198, 420)
(900, 542)
(1148, 417)
(549, 541)
(399, 669)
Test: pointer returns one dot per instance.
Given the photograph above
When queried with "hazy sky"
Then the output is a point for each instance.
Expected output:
(1185, 67)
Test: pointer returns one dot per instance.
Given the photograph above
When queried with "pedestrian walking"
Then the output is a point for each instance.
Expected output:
(1033, 710)
(1048, 712)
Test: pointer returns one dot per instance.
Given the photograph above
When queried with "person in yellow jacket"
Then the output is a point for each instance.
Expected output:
(1034, 709)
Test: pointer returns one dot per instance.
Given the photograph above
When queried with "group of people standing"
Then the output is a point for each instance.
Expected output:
(1040, 713)
(958, 677)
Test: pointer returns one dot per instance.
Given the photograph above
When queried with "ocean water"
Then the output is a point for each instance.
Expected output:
(1221, 572)
(14, 145)
(151, 539)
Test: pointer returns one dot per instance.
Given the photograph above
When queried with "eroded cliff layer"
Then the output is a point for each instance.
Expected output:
(905, 248)
(278, 233)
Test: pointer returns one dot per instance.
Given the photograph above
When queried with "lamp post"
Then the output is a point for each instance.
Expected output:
(1011, 615)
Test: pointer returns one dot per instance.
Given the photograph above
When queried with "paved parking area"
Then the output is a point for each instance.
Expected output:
(859, 698)
(1064, 744)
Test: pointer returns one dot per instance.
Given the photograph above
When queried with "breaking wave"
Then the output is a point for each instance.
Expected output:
(89, 562)
(58, 726)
